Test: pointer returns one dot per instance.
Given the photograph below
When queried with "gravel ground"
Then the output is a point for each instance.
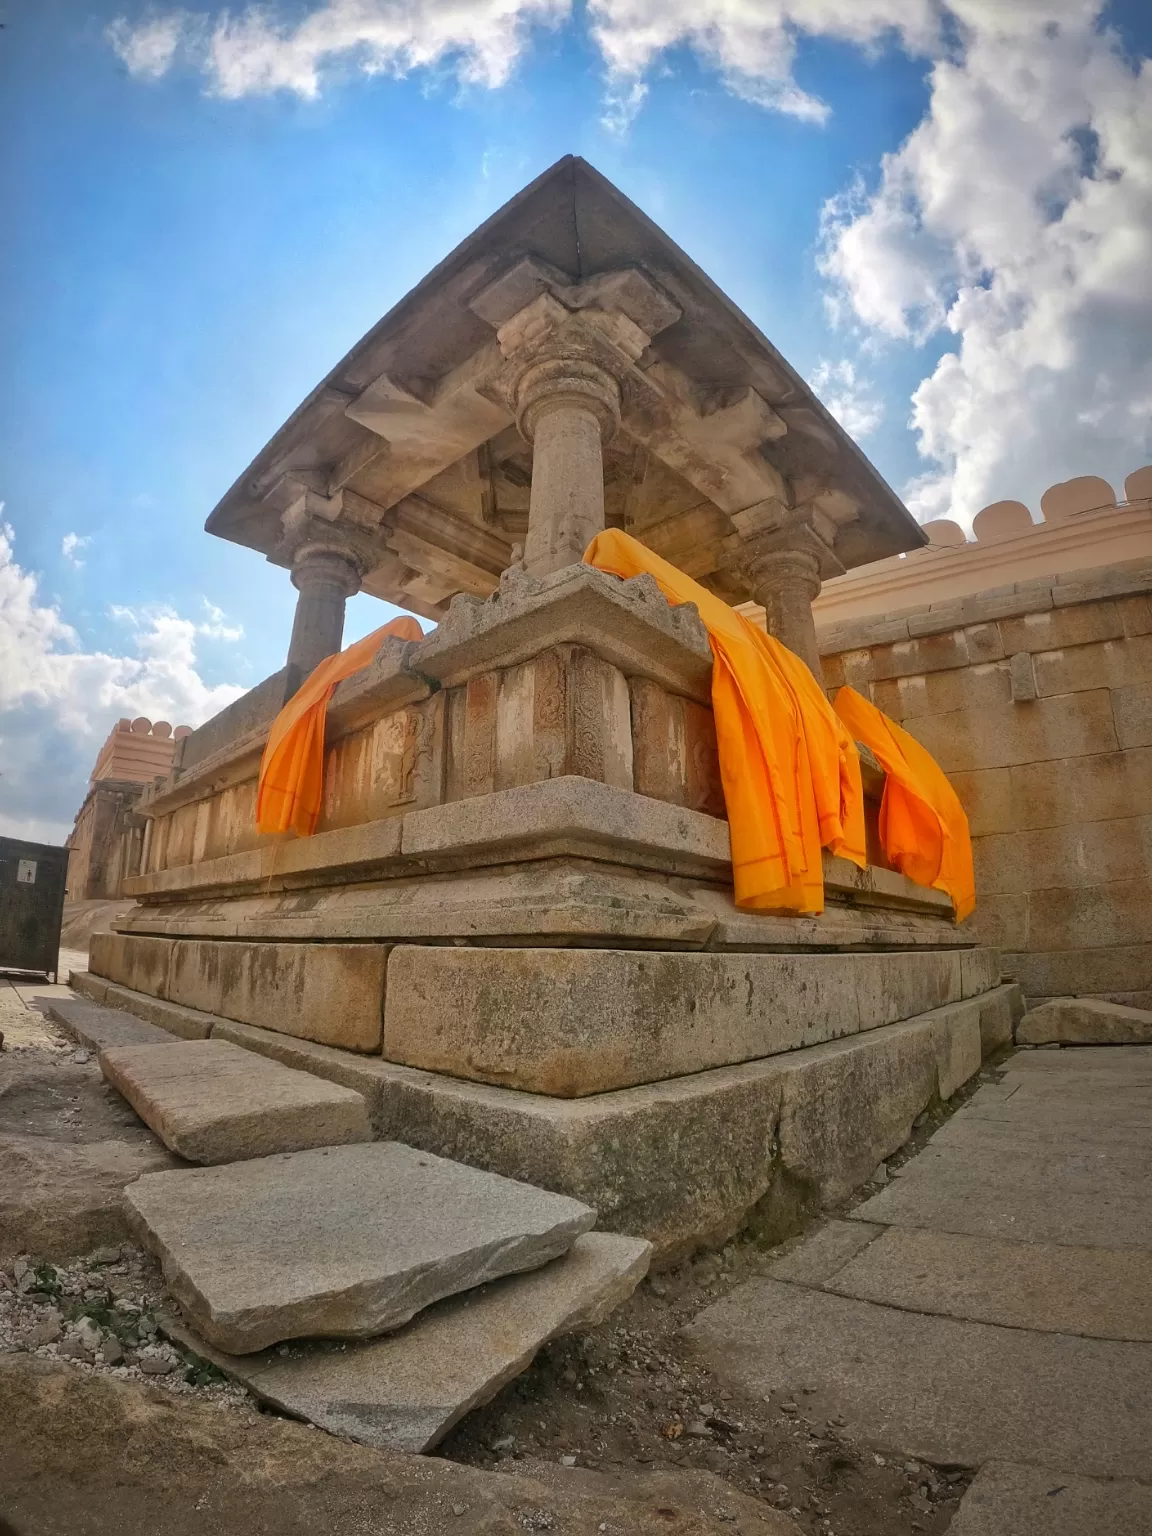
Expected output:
(98, 1313)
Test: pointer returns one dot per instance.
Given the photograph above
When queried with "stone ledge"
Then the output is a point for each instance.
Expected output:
(575, 1022)
(626, 623)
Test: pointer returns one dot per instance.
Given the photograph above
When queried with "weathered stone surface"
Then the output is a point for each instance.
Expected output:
(1007, 1499)
(568, 816)
(627, 623)
(407, 1390)
(133, 960)
(1082, 1021)
(1104, 786)
(172, 1018)
(342, 1242)
(824, 1252)
(195, 1467)
(934, 1388)
(332, 993)
(212, 1102)
(1013, 1187)
(1091, 854)
(1067, 725)
(684, 1162)
(1100, 1293)
(97, 1027)
(571, 1022)
(57, 1200)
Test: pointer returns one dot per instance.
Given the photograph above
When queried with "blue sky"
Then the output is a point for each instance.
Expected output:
(201, 220)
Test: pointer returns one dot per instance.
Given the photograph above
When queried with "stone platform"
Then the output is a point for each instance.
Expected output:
(514, 931)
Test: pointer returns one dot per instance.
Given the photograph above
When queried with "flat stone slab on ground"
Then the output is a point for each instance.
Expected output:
(937, 1389)
(213, 1102)
(406, 1391)
(1085, 1021)
(1011, 1500)
(342, 1242)
(1100, 1293)
(1132, 1062)
(1085, 1194)
(98, 1028)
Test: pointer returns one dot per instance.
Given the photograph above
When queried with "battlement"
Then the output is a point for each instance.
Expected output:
(138, 750)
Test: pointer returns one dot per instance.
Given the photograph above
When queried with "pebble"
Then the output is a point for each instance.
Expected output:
(567, 1461)
(505, 1443)
(789, 1408)
(459, 1509)
(111, 1350)
(912, 1467)
(698, 1429)
(81, 1058)
(156, 1365)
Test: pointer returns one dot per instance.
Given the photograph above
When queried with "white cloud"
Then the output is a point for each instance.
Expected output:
(752, 43)
(851, 399)
(1016, 218)
(70, 546)
(149, 47)
(59, 701)
(255, 52)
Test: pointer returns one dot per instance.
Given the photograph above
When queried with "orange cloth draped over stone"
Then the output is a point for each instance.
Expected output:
(923, 828)
(790, 770)
(291, 787)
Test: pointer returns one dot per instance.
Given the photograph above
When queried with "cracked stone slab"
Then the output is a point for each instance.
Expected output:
(213, 1102)
(407, 1390)
(1102, 1293)
(1010, 1500)
(943, 1391)
(339, 1242)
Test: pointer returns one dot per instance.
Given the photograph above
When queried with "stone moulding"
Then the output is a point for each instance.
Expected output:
(628, 624)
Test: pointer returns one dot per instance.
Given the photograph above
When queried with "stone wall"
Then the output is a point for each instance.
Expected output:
(1036, 700)
(105, 846)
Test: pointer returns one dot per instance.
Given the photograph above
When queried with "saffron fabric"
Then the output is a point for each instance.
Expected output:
(291, 787)
(790, 769)
(923, 828)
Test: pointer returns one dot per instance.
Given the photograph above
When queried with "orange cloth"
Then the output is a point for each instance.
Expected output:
(791, 772)
(923, 828)
(291, 787)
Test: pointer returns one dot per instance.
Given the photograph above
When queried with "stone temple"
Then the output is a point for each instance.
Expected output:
(514, 929)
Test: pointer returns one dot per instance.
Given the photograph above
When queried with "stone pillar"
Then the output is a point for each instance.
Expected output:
(783, 576)
(567, 409)
(325, 576)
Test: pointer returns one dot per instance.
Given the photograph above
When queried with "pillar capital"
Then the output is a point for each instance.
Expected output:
(328, 564)
(782, 568)
(567, 381)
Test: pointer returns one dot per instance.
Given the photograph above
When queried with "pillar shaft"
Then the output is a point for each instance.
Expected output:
(785, 584)
(566, 510)
(567, 408)
(325, 578)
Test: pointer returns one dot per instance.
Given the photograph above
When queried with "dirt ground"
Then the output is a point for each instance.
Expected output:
(627, 1400)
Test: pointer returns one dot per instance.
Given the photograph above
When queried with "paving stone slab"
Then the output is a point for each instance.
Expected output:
(934, 1388)
(1094, 1121)
(341, 1242)
(212, 1102)
(1084, 1194)
(407, 1390)
(96, 1027)
(1010, 1500)
(1085, 1021)
(1133, 1061)
(1100, 1293)
(824, 1252)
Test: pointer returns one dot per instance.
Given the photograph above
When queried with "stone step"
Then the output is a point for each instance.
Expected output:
(1007, 1499)
(212, 1102)
(340, 1242)
(1084, 1021)
(407, 1390)
(97, 1027)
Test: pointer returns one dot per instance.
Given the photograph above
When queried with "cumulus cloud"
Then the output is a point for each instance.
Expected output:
(70, 546)
(58, 701)
(1016, 219)
(851, 398)
(257, 51)
(1014, 224)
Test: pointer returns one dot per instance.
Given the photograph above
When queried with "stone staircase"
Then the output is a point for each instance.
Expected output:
(411, 1287)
